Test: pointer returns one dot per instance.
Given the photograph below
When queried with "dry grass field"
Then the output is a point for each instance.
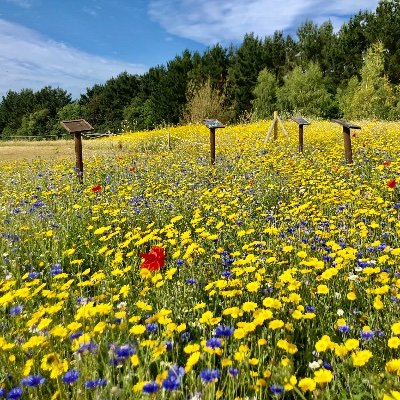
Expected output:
(53, 150)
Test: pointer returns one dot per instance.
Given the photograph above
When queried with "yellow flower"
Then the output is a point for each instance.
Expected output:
(396, 328)
(135, 360)
(351, 296)
(394, 393)
(191, 348)
(360, 358)
(239, 333)
(351, 344)
(322, 289)
(340, 350)
(192, 361)
(249, 306)
(57, 366)
(394, 342)
(27, 368)
(323, 344)
(307, 384)
(59, 331)
(253, 286)
(137, 329)
(323, 376)
(393, 366)
(276, 324)
(34, 341)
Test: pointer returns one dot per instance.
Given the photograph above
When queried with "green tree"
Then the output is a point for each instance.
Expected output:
(352, 42)
(264, 102)
(104, 105)
(374, 96)
(204, 102)
(247, 62)
(384, 26)
(35, 124)
(66, 113)
(304, 92)
(13, 108)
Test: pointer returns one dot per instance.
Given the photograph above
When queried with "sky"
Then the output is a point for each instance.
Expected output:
(74, 44)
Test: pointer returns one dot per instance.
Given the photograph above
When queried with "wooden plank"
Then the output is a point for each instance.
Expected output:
(346, 124)
(213, 123)
(300, 121)
(77, 125)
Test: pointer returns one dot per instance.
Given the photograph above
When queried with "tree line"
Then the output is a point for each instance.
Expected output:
(353, 73)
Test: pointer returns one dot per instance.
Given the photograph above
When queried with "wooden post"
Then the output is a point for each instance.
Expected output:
(301, 122)
(301, 138)
(348, 153)
(78, 155)
(347, 145)
(212, 146)
(77, 127)
(212, 124)
(274, 127)
(275, 122)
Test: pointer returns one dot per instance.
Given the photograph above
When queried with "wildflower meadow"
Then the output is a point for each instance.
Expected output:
(270, 275)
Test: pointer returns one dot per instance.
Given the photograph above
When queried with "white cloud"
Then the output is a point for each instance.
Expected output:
(30, 60)
(212, 21)
(21, 3)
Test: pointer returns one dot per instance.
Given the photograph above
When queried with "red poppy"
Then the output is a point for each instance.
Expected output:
(96, 189)
(154, 259)
(391, 184)
(386, 163)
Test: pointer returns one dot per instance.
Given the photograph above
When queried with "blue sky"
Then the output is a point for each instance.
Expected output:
(74, 44)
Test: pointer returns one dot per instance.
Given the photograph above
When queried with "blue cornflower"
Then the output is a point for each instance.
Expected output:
(150, 387)
(152, 327)
(75, 335)
(209, 375)
(224, 330)
(2, 391)
(14, 393)
(33, 275)
(214, 343)
(171, 383)
(367, 335)
(326, 365)
(70, 376)
(90, 347)
(32, 380)
(176, 370)
(185, 336)
(95, 383)
(310, 309)
(191, 281)
(169, 345)
(343, 328)
(226, 274)
(124, 351)
(276, 389)
(179, 262)
(233, 372)
(16, 310)
(56, 269)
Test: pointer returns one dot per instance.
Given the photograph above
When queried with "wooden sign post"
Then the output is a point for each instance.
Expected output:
(77, 127)
(212, 124)
(347, 138)
(274, 127)
(301, 122)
